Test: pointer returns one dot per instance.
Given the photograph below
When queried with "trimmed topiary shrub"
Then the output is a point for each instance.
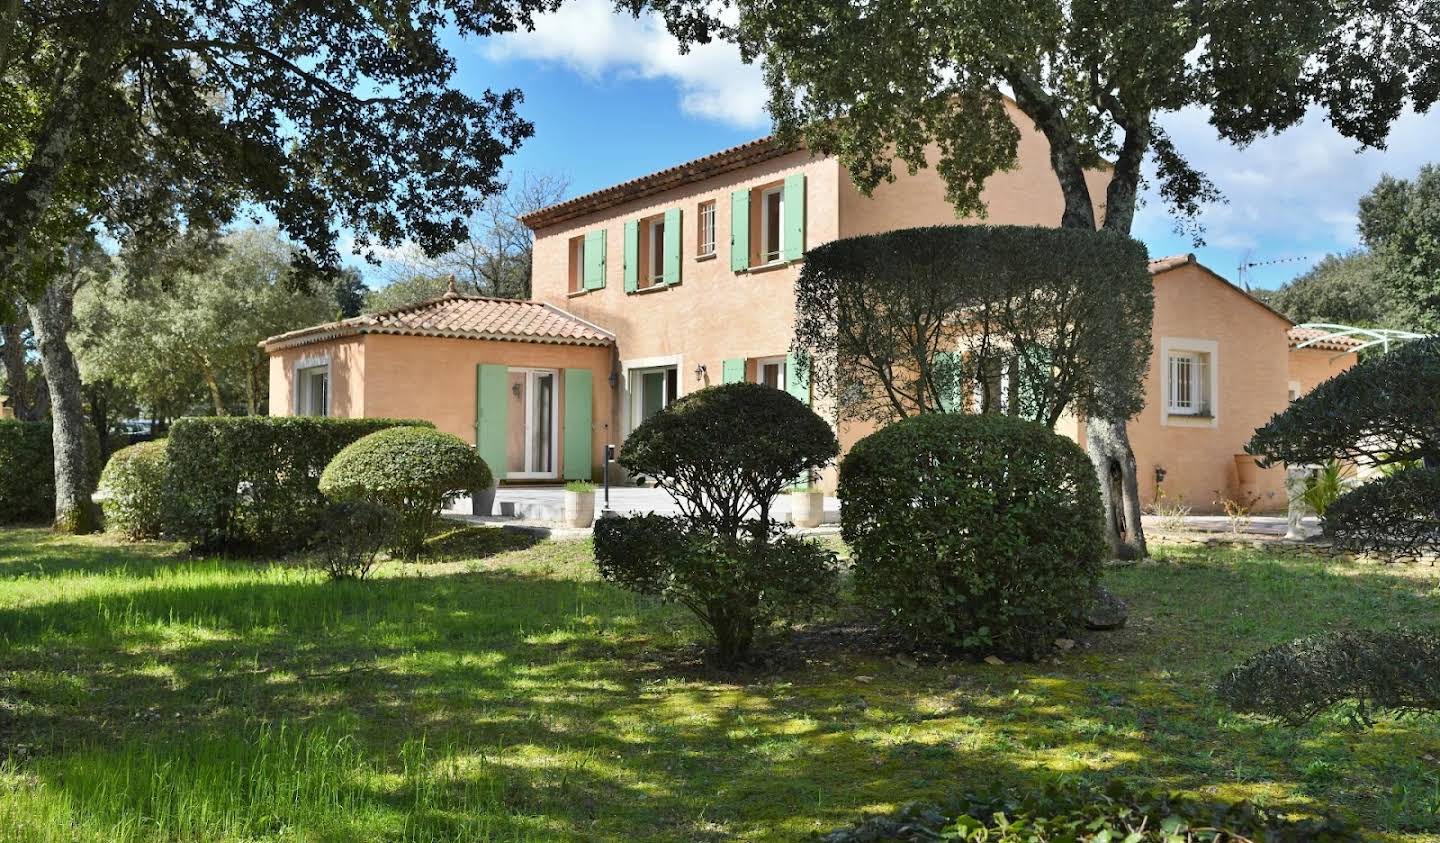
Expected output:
(975, 533)
(134, 483)
(413, 471)
(27, 472)
(252, 483)
(734, 585)
(1372, 671)
(350, 537)
(726, 452)
(1074, 812)
(1396, 515)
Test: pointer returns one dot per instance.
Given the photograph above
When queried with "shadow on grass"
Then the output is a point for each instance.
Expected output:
(516, 705)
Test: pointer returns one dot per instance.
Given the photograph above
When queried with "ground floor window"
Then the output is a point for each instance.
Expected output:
(312, 388)
(530, 424)
(770, 371)
(1189, 391)
(652, 390)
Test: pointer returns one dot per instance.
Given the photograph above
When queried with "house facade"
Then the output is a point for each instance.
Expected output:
(685, 278)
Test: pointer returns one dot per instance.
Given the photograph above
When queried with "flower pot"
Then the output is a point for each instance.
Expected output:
(807, 509)
(482, 501)
(579, 509)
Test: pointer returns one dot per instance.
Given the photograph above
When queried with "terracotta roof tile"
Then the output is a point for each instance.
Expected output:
(465, 317)
(1330, 343)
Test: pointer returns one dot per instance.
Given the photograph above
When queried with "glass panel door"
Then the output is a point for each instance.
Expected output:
(542, 427)
(530, 424)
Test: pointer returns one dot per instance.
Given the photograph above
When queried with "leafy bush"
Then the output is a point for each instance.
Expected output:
(413, 471)
(134, 481)
(350, 536)
(734, 585)
(1072, 812)
(1395, 515)
(726, 452)
(252, 483)
(1384, 409)
(1326, 486)
(973, 532)
(1372, 671)
(27, 470)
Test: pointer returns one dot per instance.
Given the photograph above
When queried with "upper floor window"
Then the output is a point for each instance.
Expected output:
(705, 234)
(770, 371)
(577, 263)
(655, 266)
(772, 227)
(313, 391)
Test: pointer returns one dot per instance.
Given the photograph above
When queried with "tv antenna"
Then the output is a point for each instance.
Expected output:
(1247, 263)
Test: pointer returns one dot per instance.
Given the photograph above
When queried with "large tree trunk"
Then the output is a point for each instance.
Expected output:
(1106, 440)
(51, 317)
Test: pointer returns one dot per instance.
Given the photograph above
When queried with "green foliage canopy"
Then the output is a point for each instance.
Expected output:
(1400, 222)
(1349, 289)
(917, 320)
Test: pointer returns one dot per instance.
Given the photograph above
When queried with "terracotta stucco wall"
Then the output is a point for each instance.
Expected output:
(433, 378)
(347, 376)
(1310, 367)
(1252, 367)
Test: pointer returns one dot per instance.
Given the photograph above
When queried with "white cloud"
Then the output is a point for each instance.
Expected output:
(1289, 194)
(591, 38)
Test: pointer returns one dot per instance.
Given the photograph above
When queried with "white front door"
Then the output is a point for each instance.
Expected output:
(530, 448)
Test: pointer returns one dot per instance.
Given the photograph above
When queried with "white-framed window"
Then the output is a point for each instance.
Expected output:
(770, 371)
(530, 424)
(772, 226)
(652, 390)
(1189, 381)
(656, 232)
(577, 263)
(312, 389)
(1294, 390)
(705, 235)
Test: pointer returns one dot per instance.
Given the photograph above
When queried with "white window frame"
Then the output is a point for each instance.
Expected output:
(1208, 353)
(577, 256)
(778, 193)
(656, 234)
(706, 235)
(632, 369)
(303, 369)
(762, 362)
(530, 378)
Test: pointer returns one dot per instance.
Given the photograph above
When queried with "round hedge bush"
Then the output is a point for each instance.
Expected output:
(134, 483)
(413, 471)
(973, 533)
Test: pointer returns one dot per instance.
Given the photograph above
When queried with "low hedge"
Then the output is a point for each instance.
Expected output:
(1393, 516)
(252, 483)
(412, 471)
(1063, 813)
(27, 470)
(973, 533)
(134, 485)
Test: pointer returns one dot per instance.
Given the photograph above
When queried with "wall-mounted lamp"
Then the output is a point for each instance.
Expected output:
(614, 379)
(1159, 474)
(700, 372)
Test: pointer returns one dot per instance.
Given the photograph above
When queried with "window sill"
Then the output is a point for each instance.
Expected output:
(575, 294)
(709, 257)
(1180, 420)
(771, 266)
(653, 288)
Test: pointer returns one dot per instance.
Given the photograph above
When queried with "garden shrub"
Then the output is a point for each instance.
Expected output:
(134, 483)
(973, 533)
(1371, 671)
(252, 483)
(1073, 812)
(27, 470)
(734, 585)
(350, 537)
(1395, 515)
(725, 452)
(414, 471)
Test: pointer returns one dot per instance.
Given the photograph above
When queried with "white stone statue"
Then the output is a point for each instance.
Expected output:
(1297, 478)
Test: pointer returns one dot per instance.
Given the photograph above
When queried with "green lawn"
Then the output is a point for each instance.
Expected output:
(149, 697)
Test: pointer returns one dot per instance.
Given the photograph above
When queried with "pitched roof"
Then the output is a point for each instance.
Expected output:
(1331, 341)
(1166, 264)
(463, 317)
(716, 163)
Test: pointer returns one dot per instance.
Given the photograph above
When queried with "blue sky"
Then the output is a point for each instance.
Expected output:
(611, 99)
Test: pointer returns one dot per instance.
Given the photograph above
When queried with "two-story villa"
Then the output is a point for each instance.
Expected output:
(668, 283)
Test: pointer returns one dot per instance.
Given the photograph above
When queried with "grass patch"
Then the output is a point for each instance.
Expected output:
(508, 695)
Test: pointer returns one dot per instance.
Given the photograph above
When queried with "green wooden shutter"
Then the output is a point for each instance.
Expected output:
(797, 378)
(632, 256)
(794, 221)
(672, 246)
(740, 230)
(492, 397)
(595, 260)
(579, 419)
(733, 370)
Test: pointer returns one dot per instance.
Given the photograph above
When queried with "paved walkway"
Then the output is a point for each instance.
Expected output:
(545, 505)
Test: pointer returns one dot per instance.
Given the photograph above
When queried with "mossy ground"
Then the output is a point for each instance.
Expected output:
(146, 696)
